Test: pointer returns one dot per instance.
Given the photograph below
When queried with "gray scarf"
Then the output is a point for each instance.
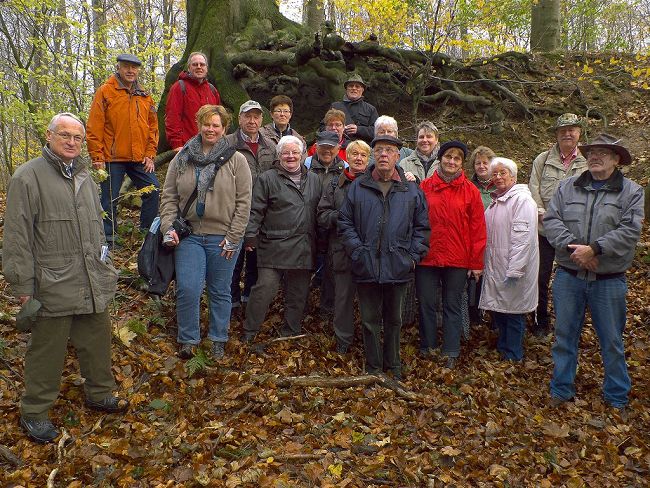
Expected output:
(449, 179)
(192, 153)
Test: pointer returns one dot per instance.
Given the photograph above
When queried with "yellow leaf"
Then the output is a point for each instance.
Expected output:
(269, 460)
(339, 417)
(554, 430)
(126, 335)
(613, 61)
(498, 471)
(450, 451)
(587, 69)
(335, 470)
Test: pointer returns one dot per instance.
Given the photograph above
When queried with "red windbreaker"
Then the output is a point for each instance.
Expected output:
(180, 112)
(457, 220)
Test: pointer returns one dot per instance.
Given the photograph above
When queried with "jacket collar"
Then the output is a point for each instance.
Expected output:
(77, 163)
(337, 164)
(368, 181)
(136, 89)
(613, 183)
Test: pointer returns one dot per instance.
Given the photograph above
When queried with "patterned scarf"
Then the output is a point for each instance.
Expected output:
(192, 153)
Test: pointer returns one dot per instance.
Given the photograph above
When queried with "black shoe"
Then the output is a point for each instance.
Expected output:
(110, 404)
(39, 430)
(540, 332)
(186, 351)
(248, 337)
(451, 363)
(342, 348)
(218, 350)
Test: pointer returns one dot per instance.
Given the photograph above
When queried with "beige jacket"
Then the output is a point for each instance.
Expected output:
(546, 174)
(227, 204)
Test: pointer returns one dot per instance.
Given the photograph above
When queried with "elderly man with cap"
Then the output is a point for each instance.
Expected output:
(360, 116)
(186, 96)
(56, 262)
(123, 137)
(259, 151)
(384, 227)
(328, 166)
(594, 223)
(561, 161)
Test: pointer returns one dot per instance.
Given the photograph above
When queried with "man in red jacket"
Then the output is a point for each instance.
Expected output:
(186, 96)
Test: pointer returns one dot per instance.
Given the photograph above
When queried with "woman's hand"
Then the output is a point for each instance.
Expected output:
(476, 273)
(170, 238)
(228, 254)
(409, 176)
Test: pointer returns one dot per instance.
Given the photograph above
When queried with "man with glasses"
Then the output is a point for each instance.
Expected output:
(594, 223)
(384, 227)
(186, 97)
(56, 262)
(281, 112)
(562, 161)
(123, 137)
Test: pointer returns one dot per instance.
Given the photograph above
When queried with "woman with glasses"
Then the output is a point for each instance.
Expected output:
(221, 178)
(511, 258)
(281, 112)
(334, 121)
(455, 252)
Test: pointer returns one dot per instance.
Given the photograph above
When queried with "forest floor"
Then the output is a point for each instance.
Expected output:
(245, 421)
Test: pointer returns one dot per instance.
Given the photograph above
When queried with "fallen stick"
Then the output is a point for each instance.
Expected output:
(60, 454)
(9, 456)
(350, 382)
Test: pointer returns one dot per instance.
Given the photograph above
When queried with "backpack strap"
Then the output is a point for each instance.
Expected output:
(181, 83)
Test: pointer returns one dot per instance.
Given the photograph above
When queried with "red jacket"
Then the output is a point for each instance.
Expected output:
(458, 234)
(180, 112)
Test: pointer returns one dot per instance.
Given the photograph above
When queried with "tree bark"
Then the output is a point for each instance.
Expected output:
(545, 26)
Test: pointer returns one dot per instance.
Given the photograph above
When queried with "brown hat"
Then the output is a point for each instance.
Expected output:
(567, 120)
(610, 142)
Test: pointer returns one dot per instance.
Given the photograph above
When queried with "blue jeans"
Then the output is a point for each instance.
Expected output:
(198, 261)
(606, 301)
(427, 281)
(511, 327)
(111, 192)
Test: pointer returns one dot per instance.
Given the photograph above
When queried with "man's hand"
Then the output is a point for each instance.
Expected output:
(350, 129)
(24, 298)
(98, 164)
(409, 176)
(149, 166)
(582, 255)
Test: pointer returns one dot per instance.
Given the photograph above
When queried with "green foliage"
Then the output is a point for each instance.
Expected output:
(3, 347)
(137, 326)
(199, 362)
(159, 404)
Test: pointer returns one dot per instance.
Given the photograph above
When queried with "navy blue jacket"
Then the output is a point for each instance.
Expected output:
(384, 237)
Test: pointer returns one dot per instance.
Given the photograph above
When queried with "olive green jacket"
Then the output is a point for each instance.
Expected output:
(53, 238)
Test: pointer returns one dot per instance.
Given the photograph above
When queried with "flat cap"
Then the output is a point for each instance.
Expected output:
(327, 138)
(129, 58)
(387, 138)
(249, 105)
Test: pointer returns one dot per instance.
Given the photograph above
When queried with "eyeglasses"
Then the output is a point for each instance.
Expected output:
(283, 112)
(66, 137)
(500, 174)
(386, 150)
(334, 125)
(290, 153)
(198, 65)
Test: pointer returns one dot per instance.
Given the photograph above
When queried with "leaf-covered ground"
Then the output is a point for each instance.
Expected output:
(235, 423)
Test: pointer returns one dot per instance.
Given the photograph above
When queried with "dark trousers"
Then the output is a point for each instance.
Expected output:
(428, 280)
(344, 290)
(511, 327)
(381, 306)
(249, 258)
(546, 258)
(111, 192)
(264, 291)
(324, 276)
(90, 334)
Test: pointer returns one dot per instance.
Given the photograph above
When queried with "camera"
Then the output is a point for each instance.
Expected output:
(182, 227)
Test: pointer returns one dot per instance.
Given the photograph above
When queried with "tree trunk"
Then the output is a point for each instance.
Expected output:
(313, 14)
(99, 41)
(545, 26)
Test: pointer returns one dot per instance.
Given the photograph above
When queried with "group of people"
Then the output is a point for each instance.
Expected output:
(372, 215)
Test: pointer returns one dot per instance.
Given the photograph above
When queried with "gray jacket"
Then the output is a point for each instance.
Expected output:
(282, 224)
(260, 162)
(413, 164)
(53, 238)
(609, 219)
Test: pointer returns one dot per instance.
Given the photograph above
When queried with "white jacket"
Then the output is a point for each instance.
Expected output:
(511, 254)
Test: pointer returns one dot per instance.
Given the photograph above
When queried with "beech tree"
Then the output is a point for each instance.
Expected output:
(545, 25)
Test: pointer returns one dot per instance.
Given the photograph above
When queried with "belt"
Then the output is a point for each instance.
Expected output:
(599, 276)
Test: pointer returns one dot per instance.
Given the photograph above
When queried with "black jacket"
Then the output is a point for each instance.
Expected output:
(361, 113)
(385, 237)
(282, 224)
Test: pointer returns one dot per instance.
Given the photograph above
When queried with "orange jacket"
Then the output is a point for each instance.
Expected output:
(122, 125)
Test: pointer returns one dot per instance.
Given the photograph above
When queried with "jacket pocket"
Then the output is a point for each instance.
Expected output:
(57, 285)
(401, 264)
(362, 266)
(340, 260)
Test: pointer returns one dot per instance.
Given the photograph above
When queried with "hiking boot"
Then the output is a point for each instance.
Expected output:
(218, 350)
(451, 363)
(186, 351)
(342, 348)
(248, 337)
(556, 402)
(110, 404)
(39, 430)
